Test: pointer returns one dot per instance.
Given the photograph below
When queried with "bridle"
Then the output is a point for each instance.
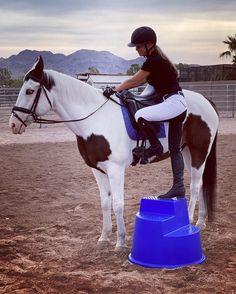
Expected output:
(32, 110)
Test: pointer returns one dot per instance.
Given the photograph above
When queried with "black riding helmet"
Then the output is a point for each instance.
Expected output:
(143, 35)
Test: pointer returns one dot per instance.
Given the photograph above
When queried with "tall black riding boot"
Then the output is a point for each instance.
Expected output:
(177, 189)
(149, 132)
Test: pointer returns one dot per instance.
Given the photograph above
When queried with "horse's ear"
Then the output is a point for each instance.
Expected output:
(39, 66)
(36, 72)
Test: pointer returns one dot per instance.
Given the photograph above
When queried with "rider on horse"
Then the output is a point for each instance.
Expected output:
(158, 71)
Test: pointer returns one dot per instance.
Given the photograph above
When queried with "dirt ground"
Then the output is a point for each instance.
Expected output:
(50, 220)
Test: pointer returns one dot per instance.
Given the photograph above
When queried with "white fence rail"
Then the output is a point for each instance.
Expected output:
(8, 96)
(221, 93)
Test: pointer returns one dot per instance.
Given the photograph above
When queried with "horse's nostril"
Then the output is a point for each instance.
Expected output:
(13, 125)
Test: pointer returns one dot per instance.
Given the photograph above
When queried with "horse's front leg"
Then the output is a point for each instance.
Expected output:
(105, 195)
(116, 179)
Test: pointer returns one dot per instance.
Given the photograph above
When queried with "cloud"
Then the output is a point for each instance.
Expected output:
(45, 7)
(61, 7)
(187, 30)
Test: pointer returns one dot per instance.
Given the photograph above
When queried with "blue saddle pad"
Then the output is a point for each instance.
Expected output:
(133, 133)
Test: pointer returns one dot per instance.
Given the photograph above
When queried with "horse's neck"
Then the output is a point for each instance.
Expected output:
(74, 99)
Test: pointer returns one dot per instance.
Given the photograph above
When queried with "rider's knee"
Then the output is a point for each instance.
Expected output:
(138, 116)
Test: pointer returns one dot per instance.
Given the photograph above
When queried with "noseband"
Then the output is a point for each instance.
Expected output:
(32, 110)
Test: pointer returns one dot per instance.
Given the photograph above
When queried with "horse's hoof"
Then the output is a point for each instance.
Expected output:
(191, 220)
(122, 248)
(122, 252)
(103, 244)
(201, 225)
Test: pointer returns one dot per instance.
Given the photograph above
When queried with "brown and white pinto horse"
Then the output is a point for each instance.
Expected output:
(105, 145)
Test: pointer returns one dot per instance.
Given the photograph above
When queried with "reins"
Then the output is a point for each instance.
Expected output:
(49, 121)
(52, 121)
(39, 120)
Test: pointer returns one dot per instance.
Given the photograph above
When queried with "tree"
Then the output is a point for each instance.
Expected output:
(93, 70)
(7, 81)
(182, 65)
(133, 69)
(15, 83)
(5, 76)
(231, 52)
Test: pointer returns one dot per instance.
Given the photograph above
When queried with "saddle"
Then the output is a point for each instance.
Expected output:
(131, 103)
(134, 102)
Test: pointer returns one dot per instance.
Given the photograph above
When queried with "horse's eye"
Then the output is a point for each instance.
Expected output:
(29, 92)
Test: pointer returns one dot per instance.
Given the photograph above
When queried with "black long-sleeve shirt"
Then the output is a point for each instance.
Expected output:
(163, 76)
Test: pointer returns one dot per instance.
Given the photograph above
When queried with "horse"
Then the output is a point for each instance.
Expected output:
(105, 146)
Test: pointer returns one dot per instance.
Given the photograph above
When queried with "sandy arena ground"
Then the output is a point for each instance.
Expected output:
(51, 219)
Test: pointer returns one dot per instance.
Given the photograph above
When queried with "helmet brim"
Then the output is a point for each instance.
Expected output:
(131, 45)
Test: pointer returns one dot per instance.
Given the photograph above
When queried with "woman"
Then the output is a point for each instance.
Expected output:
(158, 71)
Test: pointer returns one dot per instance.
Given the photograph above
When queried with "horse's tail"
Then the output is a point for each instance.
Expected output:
(209, 181)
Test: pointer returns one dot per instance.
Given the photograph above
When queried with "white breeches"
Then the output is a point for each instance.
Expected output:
(169, 108)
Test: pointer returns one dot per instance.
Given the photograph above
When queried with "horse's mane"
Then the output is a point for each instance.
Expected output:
(52, 77)
(46, 79)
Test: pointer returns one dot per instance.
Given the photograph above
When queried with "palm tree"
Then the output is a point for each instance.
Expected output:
(231, 52)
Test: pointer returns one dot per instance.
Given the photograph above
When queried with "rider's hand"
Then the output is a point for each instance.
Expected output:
(109, 91)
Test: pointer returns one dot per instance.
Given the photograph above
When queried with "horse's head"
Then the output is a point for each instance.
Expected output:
(33, 99)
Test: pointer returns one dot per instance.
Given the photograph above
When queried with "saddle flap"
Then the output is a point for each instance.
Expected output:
(135, 102)
(130, 105)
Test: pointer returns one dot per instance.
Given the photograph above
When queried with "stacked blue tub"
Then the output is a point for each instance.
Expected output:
(163, 236)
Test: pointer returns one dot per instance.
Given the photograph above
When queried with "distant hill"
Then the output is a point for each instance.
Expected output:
(77, 62)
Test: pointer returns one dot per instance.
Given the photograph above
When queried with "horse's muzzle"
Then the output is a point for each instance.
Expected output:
(16, 126)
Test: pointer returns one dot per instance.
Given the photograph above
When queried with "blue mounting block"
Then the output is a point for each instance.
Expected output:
(163, 236)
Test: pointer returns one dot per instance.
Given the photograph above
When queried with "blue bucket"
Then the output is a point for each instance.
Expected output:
(163, 236)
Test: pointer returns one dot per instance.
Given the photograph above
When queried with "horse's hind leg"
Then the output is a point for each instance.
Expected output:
(193, 185)
(105, 195)
(196, 191)
(202, 211)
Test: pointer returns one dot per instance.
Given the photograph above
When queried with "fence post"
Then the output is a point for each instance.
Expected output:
(234, 93)
(227, 98)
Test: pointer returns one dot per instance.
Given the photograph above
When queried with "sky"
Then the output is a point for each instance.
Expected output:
(188, 31)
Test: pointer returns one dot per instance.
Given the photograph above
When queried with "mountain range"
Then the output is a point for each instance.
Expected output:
(77, 62)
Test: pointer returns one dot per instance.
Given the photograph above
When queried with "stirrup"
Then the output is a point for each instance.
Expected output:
(153, 150)
(137, 154)
(138, 151)
(143, 154)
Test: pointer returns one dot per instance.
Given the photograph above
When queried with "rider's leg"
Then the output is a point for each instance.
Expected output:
(173, 110)
(149, 132)
(164, 111)
(177, 162)
(169, 109)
